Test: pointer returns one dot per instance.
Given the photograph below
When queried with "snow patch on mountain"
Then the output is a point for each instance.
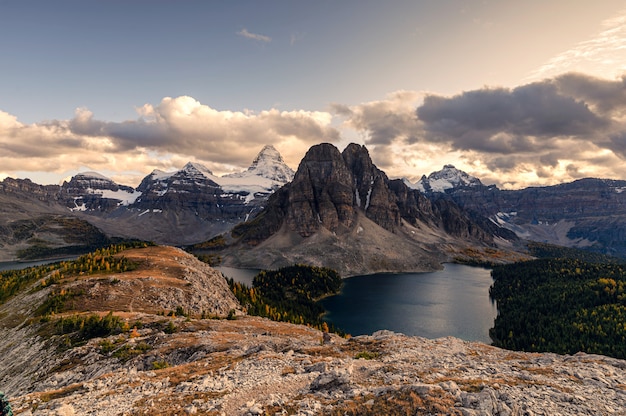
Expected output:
(125, 197)
(447, 178)
(94, 183)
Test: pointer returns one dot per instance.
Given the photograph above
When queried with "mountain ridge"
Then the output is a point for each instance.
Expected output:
(588, 213)
(192, 205)
(181, 207)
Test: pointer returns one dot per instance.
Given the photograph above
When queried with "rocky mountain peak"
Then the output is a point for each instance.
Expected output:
(268, 164)
(372, 193)
(196, 169)
(343, 197)
(88, 191)
(321, 193)
(447, 178)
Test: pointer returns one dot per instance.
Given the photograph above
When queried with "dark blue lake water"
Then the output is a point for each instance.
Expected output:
(17, 265)
(454, 301)
(244, 276)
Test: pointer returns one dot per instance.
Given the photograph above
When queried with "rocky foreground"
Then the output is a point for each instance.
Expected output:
(251, 366)
(205, 363)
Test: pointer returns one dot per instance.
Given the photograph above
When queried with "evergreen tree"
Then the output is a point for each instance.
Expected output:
(5, 406)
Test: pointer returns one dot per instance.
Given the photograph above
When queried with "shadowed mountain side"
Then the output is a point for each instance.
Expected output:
(364, 248)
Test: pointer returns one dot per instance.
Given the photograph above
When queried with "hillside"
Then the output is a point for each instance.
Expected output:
(157, 364)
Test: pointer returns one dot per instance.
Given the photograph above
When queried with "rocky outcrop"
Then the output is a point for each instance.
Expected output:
(372, 192)
(253, 367)
(321, 193)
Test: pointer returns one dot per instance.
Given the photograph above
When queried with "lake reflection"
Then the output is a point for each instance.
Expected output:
(244, 276)
(453, 302)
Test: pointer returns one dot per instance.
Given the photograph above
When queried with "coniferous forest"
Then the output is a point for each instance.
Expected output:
(289, 294)
(562, 306)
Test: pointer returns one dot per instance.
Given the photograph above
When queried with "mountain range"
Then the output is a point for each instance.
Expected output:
(177, 208)
(588, 213)
(338, 210)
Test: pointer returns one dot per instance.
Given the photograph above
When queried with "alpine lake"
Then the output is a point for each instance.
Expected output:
(451, 302)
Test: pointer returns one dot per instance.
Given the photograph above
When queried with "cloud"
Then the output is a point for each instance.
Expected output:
(503, 120)
(543, 132)
(262, 38)
(164, 136)
(385, 121)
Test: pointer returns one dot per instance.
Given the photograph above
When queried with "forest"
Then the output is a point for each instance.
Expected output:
(560, 305)
(290, 294)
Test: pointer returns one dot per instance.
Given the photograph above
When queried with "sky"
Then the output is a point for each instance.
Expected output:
(515, 93)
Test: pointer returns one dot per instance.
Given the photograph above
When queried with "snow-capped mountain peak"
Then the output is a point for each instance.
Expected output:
(88, 189)
(447, 178)
(93, 175)
(267, 164)
(194, 169)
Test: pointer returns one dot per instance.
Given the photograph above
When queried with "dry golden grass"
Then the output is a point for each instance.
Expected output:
(56, 394)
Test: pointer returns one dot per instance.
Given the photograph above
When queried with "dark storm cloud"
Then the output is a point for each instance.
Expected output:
(502, 120)
(606, 96)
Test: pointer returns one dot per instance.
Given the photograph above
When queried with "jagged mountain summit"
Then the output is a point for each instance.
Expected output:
(342, 212)
(447, 178)
(94, 191)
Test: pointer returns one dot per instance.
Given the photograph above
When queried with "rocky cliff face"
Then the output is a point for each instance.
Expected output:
(28, 189)
(90, 191)
(587, 213)
(193, 188)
